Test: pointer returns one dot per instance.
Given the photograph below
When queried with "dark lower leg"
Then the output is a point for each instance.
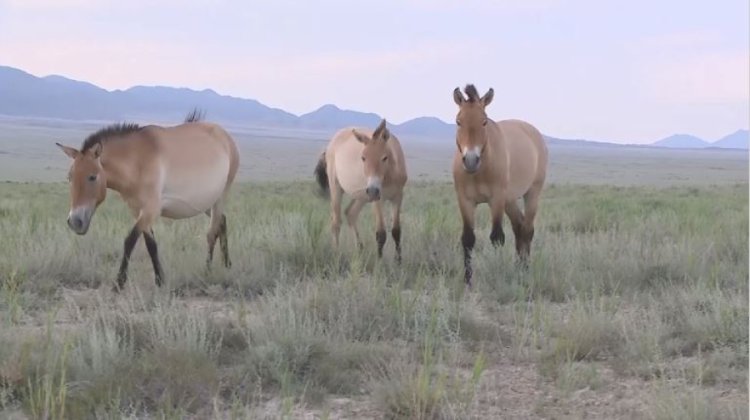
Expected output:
(211, 244)
(396, 233)
(525, 249)
(467, 241)
(154, 254)
(380, 238)
(130, 241)
(380, 234)
(497, 236)
(224, 241)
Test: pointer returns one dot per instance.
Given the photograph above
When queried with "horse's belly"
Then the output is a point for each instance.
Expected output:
(180, 206)
(190, 196)
(518, 189)
(176, 208)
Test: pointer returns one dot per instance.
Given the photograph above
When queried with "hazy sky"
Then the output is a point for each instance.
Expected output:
(628, 71)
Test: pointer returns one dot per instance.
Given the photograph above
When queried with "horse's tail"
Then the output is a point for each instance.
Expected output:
(195, 115)
(321, 175)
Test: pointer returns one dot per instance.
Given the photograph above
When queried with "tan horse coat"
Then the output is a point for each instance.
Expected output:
(368, 166)
(496, 163)
(176, 172)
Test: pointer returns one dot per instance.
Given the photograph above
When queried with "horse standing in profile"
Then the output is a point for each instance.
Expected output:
(370, 167)
(496, 163)
(175, 172)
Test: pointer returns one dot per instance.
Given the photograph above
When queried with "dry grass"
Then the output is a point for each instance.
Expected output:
(636, 299)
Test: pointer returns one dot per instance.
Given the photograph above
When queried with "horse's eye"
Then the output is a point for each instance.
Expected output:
(92, 178)
(484, 122)
(363, 158)
(458, 123)
(385, 158)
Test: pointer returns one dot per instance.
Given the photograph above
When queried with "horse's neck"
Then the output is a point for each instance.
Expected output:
(115, 169)
(495, 136)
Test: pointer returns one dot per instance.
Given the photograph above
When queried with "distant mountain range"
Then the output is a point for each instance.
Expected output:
(737, 140)
(25, 95)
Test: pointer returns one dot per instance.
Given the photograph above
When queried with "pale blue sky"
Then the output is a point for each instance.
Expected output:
(627, 71)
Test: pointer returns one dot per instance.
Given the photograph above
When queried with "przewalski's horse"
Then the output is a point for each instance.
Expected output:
(496, 163)
(369, 166)
(175, 172)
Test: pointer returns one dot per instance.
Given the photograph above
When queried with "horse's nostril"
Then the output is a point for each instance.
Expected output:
(75, 222)
(463, 158)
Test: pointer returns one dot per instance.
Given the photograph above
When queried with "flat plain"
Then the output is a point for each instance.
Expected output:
(635, 304)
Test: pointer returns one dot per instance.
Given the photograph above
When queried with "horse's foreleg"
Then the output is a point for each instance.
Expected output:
(336, 193)
(396, 230)
(148, 237)
(352, 215)
(380, 234)
(467, 237)
(497, 209)
(145, 219)
(130, 241)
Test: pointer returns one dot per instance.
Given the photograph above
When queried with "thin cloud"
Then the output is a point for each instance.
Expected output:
(707, 78)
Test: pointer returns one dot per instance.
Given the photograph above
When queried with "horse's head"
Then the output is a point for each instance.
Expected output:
(88, 186)
(375, 157)
(471, 123)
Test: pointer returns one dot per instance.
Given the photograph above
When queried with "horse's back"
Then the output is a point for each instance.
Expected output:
(526, 153)
(198, 162)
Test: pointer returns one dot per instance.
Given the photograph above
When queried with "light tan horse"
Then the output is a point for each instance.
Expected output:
(368, 166)
(496, 163)
(175, 172)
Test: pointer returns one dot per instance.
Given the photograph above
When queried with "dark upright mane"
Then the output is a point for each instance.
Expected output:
(472, 93)
(116, 129)
(195, 115)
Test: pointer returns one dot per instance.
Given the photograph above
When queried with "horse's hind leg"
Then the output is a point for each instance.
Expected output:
(224, 239)
(497, 208)
(336, 193)
(531, 203)
(517, 222)
(352, 215)
(214, 228)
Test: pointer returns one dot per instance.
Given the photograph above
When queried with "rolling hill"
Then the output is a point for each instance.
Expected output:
(682, 141)
(737, 140)
(25, 95)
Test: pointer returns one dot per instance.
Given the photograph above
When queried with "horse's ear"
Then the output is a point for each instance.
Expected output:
(96, 150)
(458, 97)
(382, 131)
(361, 137)
(487, 98)
(71, 152)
